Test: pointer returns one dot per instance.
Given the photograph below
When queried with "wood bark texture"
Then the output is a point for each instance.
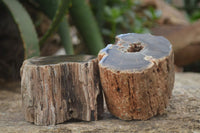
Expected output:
(133, 92)
(57, 89)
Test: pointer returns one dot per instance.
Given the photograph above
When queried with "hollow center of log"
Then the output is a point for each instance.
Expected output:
(135, 47)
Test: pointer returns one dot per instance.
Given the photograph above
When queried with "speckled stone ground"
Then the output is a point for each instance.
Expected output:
(182, 115)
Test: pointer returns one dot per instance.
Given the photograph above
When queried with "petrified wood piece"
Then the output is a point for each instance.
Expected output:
(137, 75)
(60, 88)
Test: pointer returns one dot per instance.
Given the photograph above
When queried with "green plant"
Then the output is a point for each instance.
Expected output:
(118, 16)
(26, 27)
(49, 7)
(24, 22)
(191, 8)
(121, 16)
(61, 11)
(191, 5)
(97, 6)
(83, 18)
(56, 10)
(195, 16)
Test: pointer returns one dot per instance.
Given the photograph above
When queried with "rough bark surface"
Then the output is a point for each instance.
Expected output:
(138, 93)
(57, 89)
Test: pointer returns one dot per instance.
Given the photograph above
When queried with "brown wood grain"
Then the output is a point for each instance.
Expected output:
(54, 93)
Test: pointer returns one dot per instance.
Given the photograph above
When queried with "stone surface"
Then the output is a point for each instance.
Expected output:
(137, 75)
(182, 115)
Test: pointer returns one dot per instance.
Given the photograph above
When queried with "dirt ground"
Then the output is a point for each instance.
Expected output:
(182, 114)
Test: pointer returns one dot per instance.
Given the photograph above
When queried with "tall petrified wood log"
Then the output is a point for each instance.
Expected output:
(137, 75)
(60, 88)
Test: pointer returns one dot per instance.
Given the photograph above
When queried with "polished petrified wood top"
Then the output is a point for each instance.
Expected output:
(135, 51)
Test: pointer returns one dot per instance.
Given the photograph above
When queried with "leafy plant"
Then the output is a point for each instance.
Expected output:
(121, 16)
(191, 5)
(49, 7)
(191, 8)
(61, 11)
(83, 18)
(56, 10)
(26, 27)
(195, 16)
(118, 16)
(97, 6)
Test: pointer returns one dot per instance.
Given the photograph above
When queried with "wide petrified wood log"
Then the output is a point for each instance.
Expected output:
(137, 75)
(60, 88)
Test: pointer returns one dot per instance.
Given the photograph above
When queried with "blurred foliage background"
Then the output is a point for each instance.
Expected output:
(123, 16)
(191, 9)
(41, 27)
